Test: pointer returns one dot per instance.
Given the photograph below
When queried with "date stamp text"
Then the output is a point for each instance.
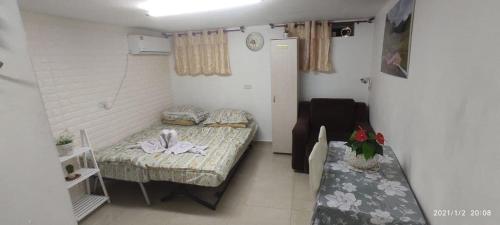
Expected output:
(462, 212)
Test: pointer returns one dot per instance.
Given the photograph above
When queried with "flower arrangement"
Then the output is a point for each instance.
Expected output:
(366, 143)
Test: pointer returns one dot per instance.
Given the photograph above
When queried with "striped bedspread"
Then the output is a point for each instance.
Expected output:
(225, 147)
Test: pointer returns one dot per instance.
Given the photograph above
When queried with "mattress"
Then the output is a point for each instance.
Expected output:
(225, 147)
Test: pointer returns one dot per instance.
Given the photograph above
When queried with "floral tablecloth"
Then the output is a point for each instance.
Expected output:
(350, 197)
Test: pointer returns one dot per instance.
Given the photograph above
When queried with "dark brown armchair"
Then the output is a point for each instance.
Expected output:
(339, 116)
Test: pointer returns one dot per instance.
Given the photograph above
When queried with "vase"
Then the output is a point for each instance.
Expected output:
(66, 149)
(359, 161)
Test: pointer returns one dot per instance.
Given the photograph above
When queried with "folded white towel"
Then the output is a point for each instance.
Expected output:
(185, 147)
(168, 143)
(170, 137)
(152, 146)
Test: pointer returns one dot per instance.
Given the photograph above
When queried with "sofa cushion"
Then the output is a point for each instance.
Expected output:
(337, 115)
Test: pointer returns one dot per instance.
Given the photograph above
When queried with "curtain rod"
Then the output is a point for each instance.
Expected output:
(358, 20)
(272, 25)
(170, 34)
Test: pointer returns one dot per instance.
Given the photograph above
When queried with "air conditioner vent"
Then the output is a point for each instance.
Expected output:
(142, 45)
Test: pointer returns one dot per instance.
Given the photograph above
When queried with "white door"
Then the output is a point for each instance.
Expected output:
(284, 92)
(33, 190)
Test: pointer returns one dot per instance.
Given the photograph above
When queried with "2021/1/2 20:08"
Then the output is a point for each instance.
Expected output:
(462, 212)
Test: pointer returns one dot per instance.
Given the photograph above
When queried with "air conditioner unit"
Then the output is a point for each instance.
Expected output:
(143, 45)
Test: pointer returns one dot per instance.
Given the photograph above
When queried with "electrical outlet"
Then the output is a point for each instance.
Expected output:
(247, 86)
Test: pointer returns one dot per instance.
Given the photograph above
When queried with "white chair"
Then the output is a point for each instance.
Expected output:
(317, 161)
(322, 136)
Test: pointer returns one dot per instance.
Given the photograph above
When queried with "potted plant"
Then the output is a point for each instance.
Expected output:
(64, 143)
(363, 147)
(70, 169)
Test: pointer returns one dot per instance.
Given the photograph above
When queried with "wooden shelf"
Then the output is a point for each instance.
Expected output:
(88, 203)
(76, 152)
(84, 174)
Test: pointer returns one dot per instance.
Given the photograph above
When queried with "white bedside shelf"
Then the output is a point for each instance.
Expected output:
(88, 203)
(76, 152)
(85, 173)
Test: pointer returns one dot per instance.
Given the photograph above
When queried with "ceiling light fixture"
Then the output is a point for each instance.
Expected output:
(158, 8)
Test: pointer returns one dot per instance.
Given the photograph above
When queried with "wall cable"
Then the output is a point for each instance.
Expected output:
(107, 106)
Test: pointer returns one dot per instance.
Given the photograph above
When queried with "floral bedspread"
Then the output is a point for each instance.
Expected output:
(350, 197)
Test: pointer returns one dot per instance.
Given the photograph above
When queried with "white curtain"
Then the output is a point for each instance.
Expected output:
(205, 53)
(314, 45)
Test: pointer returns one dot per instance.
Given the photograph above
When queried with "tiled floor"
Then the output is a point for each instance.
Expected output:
(264, 191)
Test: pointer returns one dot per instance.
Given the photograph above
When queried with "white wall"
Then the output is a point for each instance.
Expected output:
(248, 67)
(443, 121)
(79, 64)
(32, 185)
(352, 59)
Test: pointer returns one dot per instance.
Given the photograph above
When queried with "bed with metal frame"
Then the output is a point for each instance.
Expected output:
(226, 149)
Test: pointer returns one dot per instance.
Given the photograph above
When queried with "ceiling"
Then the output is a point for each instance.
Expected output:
(126, 12)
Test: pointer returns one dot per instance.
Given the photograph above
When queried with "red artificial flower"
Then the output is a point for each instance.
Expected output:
(380, 138)
(360, 135)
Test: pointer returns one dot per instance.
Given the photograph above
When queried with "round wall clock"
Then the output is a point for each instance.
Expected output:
(255, 41)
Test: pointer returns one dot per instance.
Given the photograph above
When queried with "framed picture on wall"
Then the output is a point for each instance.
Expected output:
(397, 39)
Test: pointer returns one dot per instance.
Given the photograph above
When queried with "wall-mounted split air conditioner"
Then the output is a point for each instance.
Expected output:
(146, 45)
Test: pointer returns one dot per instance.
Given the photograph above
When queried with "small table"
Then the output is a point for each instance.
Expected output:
(352, 197)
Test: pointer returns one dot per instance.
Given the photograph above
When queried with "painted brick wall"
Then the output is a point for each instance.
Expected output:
(79, 64)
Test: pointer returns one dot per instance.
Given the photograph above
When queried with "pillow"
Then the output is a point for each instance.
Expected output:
(184, 115)
(233, 125)
(228, 118)
(178, 122)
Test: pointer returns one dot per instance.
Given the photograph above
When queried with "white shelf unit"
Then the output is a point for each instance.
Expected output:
(88, 202)
(85, 173)
(76, 152)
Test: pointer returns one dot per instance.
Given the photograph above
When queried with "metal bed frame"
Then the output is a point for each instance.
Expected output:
(183, 189)
(218, 192)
